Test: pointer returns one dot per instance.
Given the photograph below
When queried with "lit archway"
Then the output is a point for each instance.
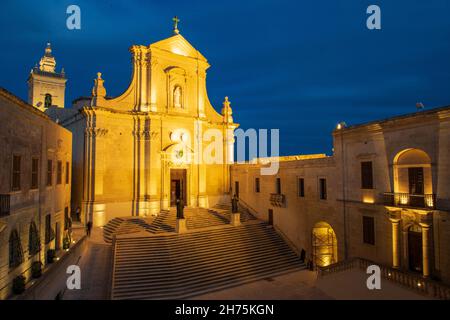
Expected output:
(324, 245)
(413, 178)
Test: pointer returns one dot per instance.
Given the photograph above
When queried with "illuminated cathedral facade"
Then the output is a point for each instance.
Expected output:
(140, 152)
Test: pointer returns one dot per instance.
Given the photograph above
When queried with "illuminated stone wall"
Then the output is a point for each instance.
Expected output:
(131, 142)
(27, 132)
(393, 146)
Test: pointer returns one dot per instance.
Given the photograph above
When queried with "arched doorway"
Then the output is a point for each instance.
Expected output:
(324, 245)
(415, 248)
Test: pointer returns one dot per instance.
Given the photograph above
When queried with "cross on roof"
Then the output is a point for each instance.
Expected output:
(175, 25)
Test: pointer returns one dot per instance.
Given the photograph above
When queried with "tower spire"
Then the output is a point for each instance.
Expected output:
(48, 62)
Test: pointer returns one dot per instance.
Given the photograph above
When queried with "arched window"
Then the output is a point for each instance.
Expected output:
(15, 250)
(177, 97)
(34, 244)
(48, 100)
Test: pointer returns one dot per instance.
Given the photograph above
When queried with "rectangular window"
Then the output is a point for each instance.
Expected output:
(366, 175)
(34, 173)
(301, 187)
(16, 173)
(48, 229)
(257, 186)
(59, 172)
(278, 186)
(49, 172)
(67, 172)
(323, 188)
(368, 230)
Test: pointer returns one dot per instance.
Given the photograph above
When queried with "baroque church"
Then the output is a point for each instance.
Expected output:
(138, 153)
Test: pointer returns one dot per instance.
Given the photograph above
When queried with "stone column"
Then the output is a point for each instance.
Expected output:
(395, 244)
(425, 249)
(165, 182)
(395, 218)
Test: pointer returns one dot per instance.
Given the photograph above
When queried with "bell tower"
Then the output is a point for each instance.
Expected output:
(46, 87)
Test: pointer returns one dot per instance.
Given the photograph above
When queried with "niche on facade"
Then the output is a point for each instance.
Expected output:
(176, 88)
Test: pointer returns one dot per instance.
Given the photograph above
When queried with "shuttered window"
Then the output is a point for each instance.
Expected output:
(368, 230)
(323, 188)
(49, 172)
(366, 175)
(15, 185)
(67, 172)
(301, 187)
(59, 172)
(278, 186)
(34, 173)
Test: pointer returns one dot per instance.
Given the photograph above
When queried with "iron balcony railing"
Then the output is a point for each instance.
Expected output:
(5, 204)
(426, 201)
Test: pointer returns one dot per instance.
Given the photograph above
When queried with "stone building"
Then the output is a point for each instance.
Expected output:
(383, 195)
(137, 153)
(35, 177)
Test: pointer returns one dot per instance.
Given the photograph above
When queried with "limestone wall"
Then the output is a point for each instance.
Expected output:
(393, 146)
(27, 132)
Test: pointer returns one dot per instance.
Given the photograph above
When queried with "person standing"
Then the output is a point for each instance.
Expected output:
(88, 228)
(78, 213)
(180, 209)
(234, 204)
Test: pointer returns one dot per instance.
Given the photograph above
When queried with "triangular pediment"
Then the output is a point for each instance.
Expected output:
(177, 44)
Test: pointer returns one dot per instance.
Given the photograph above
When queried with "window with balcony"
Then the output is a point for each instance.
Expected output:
(412, 172)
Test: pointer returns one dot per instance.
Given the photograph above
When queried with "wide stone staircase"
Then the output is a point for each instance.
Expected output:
(164, 222)
(178, 266)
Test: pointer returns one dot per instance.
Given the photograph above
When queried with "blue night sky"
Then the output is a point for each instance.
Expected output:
(300, 66)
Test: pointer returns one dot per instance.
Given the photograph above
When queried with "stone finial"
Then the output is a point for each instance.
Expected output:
(98, 91)
(227, 112)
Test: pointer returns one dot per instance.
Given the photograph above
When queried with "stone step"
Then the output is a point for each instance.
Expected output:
(179, 266)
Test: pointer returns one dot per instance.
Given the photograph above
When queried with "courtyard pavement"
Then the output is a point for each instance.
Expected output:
(304, 285)
(95, 267)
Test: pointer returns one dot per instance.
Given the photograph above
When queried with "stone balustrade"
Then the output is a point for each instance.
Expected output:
(412, 281)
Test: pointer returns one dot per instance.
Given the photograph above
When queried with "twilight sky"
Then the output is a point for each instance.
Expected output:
(300, 66)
